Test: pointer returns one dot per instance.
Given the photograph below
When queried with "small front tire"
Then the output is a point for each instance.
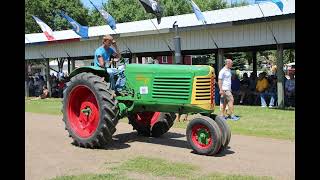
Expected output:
(204, 135)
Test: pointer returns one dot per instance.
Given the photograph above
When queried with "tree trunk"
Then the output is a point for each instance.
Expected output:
(280, 76)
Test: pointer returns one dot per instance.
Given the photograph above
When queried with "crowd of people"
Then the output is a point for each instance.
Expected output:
(249, 90)
(38, 87)
(261, 90)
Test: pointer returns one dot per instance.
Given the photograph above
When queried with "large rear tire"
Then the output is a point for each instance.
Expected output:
(164, 123)
(204, 135)
(151, 123)
(141, 122)
(90, 111)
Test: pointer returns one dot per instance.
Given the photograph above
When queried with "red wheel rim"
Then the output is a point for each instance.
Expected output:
(83, 111)
(145, 118)
(201, 130)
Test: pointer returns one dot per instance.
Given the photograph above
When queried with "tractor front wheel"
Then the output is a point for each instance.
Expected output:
(225, 131)
(204, 135)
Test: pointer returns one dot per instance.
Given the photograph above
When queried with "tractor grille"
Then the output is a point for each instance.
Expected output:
(171, 88)
(204, 88)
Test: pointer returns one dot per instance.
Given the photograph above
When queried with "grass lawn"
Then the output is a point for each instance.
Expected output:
(44, 106)
(254, 120)
(155, 167)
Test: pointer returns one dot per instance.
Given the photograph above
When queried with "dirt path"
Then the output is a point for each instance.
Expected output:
(48, 152)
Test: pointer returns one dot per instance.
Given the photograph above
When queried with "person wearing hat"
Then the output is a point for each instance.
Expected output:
(102, 57)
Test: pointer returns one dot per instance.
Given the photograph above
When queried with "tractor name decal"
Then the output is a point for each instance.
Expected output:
(142, 78)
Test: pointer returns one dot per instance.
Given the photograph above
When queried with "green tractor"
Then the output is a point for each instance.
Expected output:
(150, 98)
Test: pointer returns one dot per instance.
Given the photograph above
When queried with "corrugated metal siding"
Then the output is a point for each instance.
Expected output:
(293, 32)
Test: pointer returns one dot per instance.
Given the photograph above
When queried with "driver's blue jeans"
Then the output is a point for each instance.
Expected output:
(112, 72)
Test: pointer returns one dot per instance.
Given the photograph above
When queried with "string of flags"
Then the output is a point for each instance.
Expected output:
(150, 6)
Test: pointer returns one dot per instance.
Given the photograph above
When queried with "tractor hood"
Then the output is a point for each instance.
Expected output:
(195, 70)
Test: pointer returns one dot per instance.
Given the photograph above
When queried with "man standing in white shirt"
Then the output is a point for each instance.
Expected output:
(224, 83)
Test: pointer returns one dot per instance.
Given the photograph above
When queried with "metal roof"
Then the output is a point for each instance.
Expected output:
(145, 27)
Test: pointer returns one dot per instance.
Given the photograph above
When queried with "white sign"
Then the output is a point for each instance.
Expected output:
(144, 90)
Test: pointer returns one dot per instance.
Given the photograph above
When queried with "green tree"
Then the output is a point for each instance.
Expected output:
(200, 59)
(46, 11)
(126, 10)
(209, 5)
(132, 10)
(239, 60)
(238, 4)
(289, 56)
(174, 7)
(266, 57)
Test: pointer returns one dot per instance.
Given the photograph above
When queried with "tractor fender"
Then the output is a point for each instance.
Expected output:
(93, 69)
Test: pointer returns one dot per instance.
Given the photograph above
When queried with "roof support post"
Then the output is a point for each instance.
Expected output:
(73, 64)
(69, 65)
(220, 59)
(216, 65)
(26, 78)
(48, 76)
(139, 60)
(254, 62)
(280, 76)
(134, 58)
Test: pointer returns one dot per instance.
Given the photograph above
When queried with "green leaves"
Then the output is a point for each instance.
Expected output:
(46, 11)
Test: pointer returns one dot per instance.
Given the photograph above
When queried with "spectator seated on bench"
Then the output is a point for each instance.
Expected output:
(253, 95)
(272, 90)
(261, 87)
(290, 90)
(244, 88)
(235, 87)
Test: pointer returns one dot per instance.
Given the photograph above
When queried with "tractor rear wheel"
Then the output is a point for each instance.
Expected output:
(141, 121)
(163, 125)
(90, 111)
(204, 135)
(151, 123)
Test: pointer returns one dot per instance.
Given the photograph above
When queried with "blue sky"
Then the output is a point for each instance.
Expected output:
(99, 2)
